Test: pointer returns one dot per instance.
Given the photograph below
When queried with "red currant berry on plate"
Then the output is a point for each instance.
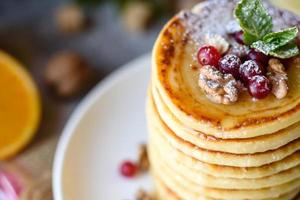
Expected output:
(128, 169)
(249, 69)
(208, 55)
(230, 64)
(239, 37)
(259, 87)
(257, 56)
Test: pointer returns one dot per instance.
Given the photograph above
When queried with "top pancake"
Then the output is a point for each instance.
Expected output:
(175, 75)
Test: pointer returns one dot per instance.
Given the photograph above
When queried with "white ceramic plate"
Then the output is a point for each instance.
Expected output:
(105, 129)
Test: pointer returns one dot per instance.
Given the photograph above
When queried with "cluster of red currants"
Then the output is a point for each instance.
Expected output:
(251, 70)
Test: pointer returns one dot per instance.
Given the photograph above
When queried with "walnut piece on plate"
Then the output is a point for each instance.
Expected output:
(143, 161)
(143, 195)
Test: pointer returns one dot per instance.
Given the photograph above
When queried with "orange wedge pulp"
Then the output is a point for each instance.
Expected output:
(19, 107)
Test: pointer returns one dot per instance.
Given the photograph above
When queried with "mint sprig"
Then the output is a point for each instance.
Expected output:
(287, 51)
(253, 19)
(275, 43)
(257, 26)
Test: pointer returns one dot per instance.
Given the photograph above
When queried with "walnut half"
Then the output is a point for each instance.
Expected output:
(217, 41)
(219, 88)
(278, 77)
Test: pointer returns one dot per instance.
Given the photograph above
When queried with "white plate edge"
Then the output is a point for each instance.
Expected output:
(96, 93)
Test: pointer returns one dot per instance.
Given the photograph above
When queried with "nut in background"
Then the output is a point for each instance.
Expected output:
(70, 18)
(69, 74)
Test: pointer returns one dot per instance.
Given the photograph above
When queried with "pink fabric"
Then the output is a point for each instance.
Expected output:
(10, 187)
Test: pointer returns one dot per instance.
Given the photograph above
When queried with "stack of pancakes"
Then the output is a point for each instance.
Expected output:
(202, 150)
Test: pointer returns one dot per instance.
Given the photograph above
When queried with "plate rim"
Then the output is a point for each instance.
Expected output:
(79, 112)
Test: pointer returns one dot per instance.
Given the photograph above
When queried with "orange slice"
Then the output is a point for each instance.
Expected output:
(19, 106)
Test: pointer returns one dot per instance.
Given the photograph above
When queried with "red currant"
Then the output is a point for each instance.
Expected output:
(249, 69)
(208, 55)
(239, 37)
(230, 64)
(128, 169)
(259, 87)
(257, 56)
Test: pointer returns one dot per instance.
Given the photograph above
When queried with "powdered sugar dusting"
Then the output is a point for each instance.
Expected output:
(238, 49)
(207, 18)
(216, 17)
(282, 18)
(232, 27)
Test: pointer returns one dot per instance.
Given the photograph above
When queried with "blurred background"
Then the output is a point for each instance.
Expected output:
(68, 47)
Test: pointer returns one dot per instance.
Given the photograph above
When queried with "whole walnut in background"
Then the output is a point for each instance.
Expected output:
(70, 18)
(68, 74)
(137, 16)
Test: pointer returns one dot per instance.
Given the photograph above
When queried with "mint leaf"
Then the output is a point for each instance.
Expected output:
(282, 37)
(287, 51)
(263, 47)
(253, 19)
(273, 41)
(257, 27)
(248, 38)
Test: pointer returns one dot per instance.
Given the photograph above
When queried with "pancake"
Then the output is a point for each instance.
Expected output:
(175, 76)
(164, 193)
(220, 171)
(202, 150)
(235, 146)
(189, 190)
(226, 171)
(215, 157)
(206, 180)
